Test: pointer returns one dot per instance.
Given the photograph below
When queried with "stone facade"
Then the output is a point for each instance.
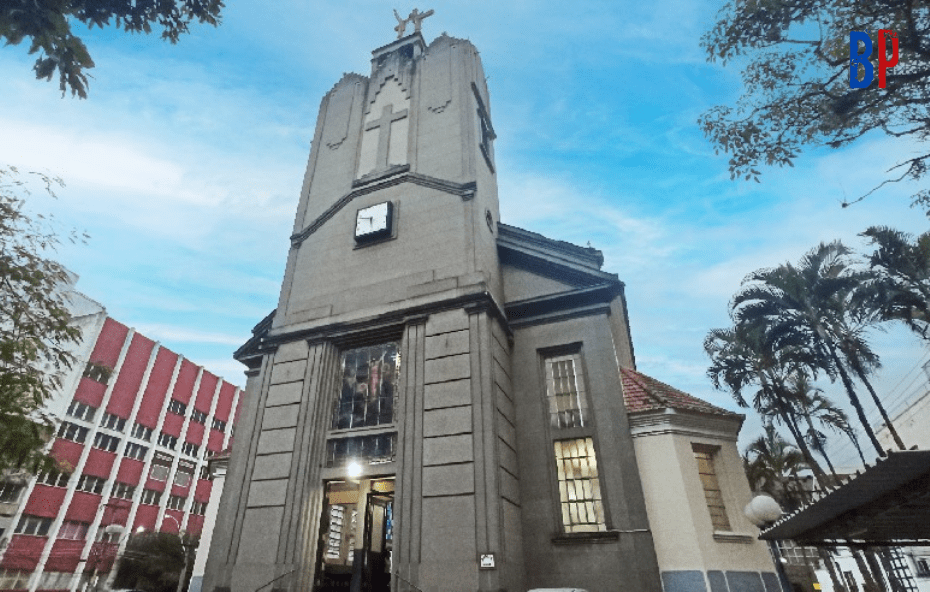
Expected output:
(472, 370)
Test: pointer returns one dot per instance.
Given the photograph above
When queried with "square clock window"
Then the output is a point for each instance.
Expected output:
(374, 222)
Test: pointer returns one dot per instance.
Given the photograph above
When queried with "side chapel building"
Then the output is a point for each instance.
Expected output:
(443, 402)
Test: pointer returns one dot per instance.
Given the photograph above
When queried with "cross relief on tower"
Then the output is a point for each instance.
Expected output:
(384, 134)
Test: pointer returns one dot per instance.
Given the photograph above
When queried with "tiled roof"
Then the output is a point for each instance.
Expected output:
(644, 393)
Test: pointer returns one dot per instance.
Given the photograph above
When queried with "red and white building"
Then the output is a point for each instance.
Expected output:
(137, 422)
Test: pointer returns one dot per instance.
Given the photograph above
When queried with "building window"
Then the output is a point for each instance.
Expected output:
(369, 380)
(91, 484)
(112, 422)
(97, 372)
(55, 580)
(205, 473)
(923, 567)
(177, 407)
(14, 579)
(54, 479)
(176, 502)
(579, 486)
(33, 525)
(167, 440)
(219, 425)
(199, 416)
(184, 475)
(73, 432)
(150, 497)
(712, 494)
(568, 406)
(136, 451)
(374, 449)
(199, 508)
(123, 490)
(142, 432)
(80, 410)
(9, 492)
(106, 442)
(161, 464)
(190, 449)
(72, 530)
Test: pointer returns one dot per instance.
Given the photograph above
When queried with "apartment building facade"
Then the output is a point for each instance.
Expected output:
(136, 423)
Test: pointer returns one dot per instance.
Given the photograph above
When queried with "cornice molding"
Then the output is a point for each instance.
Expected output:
(685, 423)
(396, 175)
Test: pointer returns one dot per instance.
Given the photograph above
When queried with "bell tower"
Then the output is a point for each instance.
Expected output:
(377, 446)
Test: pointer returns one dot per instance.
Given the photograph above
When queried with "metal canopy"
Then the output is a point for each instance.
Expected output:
(887, 504)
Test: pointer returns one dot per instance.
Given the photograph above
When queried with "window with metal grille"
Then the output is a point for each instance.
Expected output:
(112, 422)
(579, 486)
(73, 530)
(33, 525)
(190, 449)
(712, 493)
(368, 387)
(176, 502)
(167, 440)
(142, 432)
(73, 432)
(150, 497)
(97, 372)
(161, 464)
(184, 475)
(177, 407)
(218, 425)
(568, 405)
(9, 492)
(91, 484)
(54, 479)
(199, 508)
(123, 490)
(106, 442)
(199, 416)
(80, 410)
(136, 451)
(923, 567)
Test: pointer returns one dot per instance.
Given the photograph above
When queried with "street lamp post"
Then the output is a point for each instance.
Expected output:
(763, 511)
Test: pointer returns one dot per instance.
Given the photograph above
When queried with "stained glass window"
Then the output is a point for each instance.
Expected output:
(368, 387)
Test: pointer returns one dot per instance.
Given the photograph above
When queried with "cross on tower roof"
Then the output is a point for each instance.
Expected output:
(416, 17)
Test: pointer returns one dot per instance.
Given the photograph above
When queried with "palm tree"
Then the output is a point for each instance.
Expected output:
(810, 303)
(772, 465)
(901, 287)
(811, 404)
(741, 358)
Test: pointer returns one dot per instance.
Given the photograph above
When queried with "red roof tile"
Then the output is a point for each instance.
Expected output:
(644, 393)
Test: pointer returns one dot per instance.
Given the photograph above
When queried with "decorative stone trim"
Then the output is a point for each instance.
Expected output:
(586, 538)
(733, 537)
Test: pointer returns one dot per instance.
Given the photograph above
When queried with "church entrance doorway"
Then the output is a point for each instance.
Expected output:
(356, 536)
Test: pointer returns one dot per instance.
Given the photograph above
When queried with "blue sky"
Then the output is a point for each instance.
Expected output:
(185, 163)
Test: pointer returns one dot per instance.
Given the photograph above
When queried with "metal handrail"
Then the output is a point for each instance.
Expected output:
(263, 586)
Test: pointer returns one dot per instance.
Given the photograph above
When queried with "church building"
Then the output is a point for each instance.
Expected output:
(442, 402)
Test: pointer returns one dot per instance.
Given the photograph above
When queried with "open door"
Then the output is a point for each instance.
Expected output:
(356, 536)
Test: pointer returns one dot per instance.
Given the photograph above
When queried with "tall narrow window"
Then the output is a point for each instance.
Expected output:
(369, 380)
(568, 407)
(579, 486)
(705, 462)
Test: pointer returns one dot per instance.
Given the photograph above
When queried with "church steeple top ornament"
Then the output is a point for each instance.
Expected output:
(416, 17)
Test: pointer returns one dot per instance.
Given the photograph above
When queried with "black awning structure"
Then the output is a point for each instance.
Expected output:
(887, 504)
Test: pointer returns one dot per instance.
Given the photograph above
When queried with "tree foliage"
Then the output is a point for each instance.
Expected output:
(47, 25)
(773, 465)
(153, 561)
(796, 82)
(35, 329)
(901, 288)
